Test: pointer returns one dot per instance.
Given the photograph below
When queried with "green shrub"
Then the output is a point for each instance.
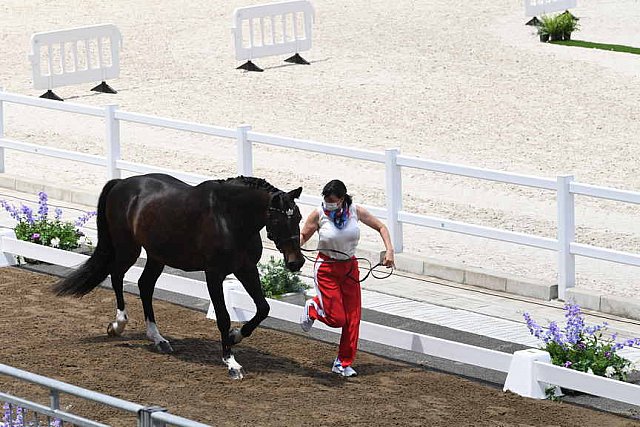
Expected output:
(276, 279)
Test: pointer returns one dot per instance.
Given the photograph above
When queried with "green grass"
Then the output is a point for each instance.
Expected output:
(601, 46)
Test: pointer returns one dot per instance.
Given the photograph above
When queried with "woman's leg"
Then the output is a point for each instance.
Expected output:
(327, 306)
(353, 311)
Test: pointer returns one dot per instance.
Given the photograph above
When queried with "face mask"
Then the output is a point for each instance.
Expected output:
(331, 206)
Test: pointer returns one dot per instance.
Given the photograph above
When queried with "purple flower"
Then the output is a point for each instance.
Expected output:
(43, 208)
(35, 236)
(82, 220)
(27, 214)
(7, 412)
(13, 211)
(534, 329)
(607, 354)
(567, 364)
(58, 214)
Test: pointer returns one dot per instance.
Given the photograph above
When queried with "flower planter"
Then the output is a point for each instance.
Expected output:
(566, 36)
(544, 38)
(555, 37)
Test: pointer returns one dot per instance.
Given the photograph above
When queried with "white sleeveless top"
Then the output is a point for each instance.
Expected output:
(343, 239)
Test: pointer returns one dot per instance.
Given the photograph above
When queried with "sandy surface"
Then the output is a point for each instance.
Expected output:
(462, 82)
(288, 381)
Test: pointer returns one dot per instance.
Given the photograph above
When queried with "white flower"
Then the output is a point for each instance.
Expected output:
(55, 242)
(629, 368)
(610, 371)
(82, 240)
(589, 371)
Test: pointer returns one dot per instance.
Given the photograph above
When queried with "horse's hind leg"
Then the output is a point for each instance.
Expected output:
(214, 284)
(123, 261)
(147, 284)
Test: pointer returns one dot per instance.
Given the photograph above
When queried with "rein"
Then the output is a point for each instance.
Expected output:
(371, 268)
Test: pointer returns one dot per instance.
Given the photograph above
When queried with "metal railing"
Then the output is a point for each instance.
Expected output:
(147, 416)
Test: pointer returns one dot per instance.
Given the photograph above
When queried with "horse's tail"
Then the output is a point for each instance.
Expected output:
(94, 270)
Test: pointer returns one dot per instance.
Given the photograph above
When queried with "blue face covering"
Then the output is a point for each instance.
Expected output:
(338, 216)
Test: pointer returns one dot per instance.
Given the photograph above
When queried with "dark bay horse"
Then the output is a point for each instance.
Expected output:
(213, 227)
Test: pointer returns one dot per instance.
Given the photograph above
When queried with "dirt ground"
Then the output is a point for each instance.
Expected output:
(288, 381)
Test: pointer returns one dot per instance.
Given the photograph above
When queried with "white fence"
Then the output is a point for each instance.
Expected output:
(542, 7)
(566, 188)
(272, 29)
(75, 55)
(527, 374)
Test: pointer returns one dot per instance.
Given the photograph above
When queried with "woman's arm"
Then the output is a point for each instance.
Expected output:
(373, 222)
(310, 227)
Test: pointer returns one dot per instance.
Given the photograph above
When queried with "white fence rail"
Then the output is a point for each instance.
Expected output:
(564, 245)
(542, 7)
(75, 55)
(272, 29)
(528, 370)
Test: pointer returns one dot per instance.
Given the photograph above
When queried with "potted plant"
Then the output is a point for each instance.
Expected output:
(568, 24)
(38, 227)
(583, 348)
(278, 282)
(549, 28)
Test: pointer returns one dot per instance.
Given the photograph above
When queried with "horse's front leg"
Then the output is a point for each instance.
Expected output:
(227, 337)
(250, 279)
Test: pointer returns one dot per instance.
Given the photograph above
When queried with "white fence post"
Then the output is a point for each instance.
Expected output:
(393, 178)
(1, 132)
(7, 259)
(521, 378)
(113, 141)
(566, 235)
(245, 154)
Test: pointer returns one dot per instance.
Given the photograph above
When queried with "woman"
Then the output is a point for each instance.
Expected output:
(336, 274)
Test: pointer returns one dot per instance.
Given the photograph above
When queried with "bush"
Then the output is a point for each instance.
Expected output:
(41, 229)
(276, 279)
(581, 347)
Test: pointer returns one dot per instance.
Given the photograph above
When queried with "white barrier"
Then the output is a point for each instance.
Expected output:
(76, 55)
(564, 186)
(272, 29)
(529, 371)
(542, 7)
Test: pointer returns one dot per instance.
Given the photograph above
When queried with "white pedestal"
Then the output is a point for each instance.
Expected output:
(521, 377)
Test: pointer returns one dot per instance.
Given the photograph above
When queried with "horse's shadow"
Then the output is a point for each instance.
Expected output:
(205, 351)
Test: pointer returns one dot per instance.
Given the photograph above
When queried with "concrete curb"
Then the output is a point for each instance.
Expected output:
(421, 266)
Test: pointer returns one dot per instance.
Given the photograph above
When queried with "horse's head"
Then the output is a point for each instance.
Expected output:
(283, 227)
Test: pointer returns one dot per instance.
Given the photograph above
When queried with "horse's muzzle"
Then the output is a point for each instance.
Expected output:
(295, 265)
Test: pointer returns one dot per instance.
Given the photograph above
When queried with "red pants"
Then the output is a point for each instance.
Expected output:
(337, 303)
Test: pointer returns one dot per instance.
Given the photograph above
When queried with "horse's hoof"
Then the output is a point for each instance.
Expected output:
(111, 331)
(236, 374)
(164, 347)
(236, 335)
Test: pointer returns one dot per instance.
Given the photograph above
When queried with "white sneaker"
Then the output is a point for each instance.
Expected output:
(306, 322)
(345, 372)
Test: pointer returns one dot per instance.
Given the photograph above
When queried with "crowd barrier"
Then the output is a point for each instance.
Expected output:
(75, 55)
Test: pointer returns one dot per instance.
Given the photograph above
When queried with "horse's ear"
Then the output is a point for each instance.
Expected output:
(295, 193)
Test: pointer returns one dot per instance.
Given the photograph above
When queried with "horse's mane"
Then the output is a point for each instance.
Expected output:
(251, 182)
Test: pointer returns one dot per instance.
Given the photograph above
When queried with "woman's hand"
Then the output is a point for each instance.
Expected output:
(388, 260)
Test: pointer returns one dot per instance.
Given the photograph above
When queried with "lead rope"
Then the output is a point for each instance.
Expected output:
(371, 272)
